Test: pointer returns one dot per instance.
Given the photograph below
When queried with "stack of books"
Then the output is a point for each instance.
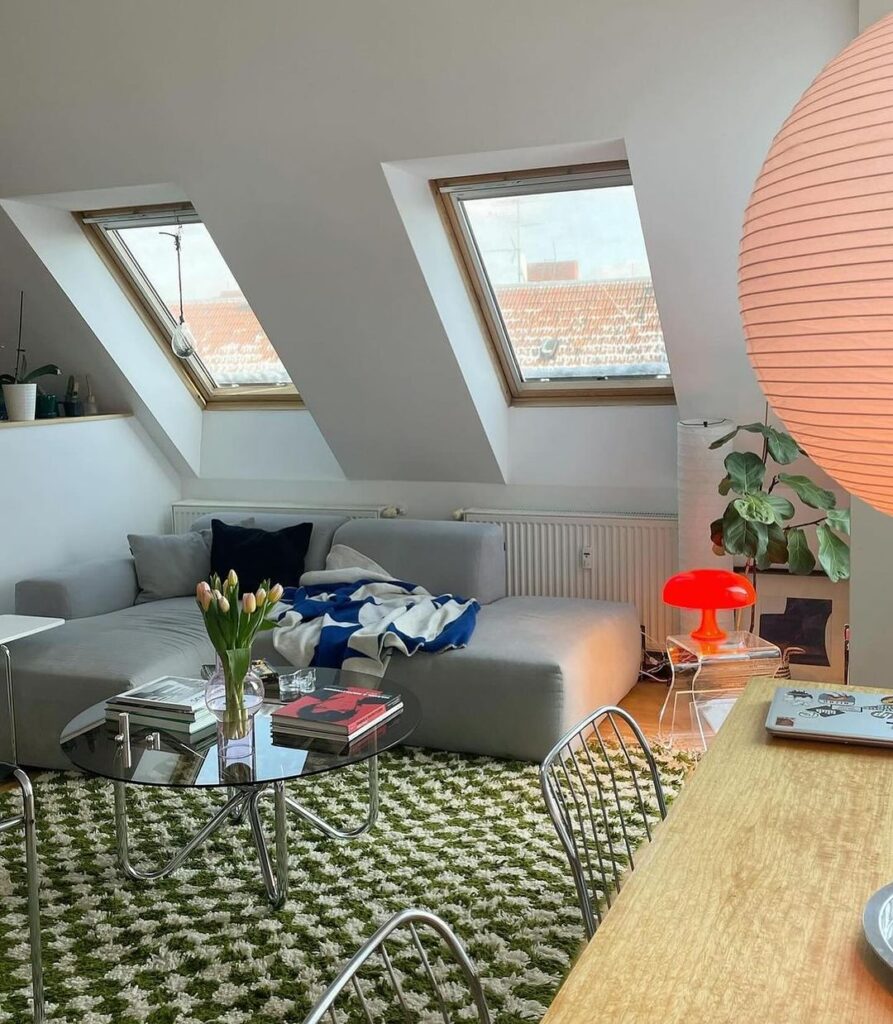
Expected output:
(170, 704)
(337, 713)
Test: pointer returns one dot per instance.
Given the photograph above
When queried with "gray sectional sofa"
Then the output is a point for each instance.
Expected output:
(533, 668)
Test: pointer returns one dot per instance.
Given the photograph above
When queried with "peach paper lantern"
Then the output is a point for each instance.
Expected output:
(816, 269)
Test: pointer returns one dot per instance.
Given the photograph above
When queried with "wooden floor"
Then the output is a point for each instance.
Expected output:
(644, 702)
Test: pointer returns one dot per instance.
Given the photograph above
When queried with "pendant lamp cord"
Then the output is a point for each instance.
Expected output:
(178, 244)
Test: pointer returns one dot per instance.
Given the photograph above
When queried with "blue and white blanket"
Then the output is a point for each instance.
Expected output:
(353, 619)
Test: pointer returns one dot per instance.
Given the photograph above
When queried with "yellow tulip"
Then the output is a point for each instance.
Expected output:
(276, 593)
(223, 605)
(261, 597)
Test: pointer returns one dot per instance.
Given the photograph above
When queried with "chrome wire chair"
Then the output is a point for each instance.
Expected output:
(584, 775)
(362, 1002)
(26, 822)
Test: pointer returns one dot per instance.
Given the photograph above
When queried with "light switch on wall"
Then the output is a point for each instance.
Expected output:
(586, 558)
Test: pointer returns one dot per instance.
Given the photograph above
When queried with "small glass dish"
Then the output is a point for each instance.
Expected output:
(293, 684)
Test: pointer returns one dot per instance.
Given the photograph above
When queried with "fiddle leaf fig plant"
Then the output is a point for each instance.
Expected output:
(756, 524)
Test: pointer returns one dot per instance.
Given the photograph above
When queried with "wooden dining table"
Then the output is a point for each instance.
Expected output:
(747, 906)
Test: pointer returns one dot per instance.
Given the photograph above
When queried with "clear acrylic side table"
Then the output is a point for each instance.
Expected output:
(707, 678)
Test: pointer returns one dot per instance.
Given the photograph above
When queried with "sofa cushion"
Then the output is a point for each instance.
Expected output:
(465, 559)
(87, 660)
(324, 528)
(170, 565)
(343, 557)
(79, 591)
(258, 555)
(535, 666)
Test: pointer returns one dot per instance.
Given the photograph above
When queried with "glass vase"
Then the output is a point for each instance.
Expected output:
(234, 693)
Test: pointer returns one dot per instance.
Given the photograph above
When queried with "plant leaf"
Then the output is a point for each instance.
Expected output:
(834, 553)
(716, 533)
(755, 508)
(47, 370)
(782, 447)
(801, 561)
(808, 492)
(724, 440)
(784, 510)
(746, 471)
(725, 485)
(776, 552)
(741, 536)
(839, 519)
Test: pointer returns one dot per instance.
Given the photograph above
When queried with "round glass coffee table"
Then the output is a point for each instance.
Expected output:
(150, 757)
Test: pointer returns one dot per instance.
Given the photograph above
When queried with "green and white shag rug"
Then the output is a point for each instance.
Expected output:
(467, 838)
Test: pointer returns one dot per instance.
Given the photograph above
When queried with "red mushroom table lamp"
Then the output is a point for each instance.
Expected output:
(709, 590)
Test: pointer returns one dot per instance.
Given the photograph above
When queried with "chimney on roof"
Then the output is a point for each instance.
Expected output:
(554, 270)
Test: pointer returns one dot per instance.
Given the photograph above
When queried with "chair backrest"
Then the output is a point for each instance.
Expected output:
(366, 1000)
(603, 792)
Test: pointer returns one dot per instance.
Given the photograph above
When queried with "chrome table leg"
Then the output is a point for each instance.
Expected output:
(33, 872)
(276, 880)
(10, 703)
(232, 812)
(238, 815)
(209, 828)
(349, 833)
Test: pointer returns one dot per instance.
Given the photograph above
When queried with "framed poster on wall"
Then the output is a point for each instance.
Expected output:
(807, 617)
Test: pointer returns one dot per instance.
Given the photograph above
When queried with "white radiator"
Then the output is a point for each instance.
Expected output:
(185, 512)
(602, 556)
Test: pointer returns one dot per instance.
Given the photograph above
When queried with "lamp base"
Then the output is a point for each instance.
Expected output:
(708, 628)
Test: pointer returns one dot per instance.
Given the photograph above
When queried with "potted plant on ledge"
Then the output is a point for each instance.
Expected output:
(20, 387)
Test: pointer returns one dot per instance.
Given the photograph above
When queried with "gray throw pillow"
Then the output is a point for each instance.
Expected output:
(170, 565)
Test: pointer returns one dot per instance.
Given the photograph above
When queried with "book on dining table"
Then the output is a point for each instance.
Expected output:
(336, 712)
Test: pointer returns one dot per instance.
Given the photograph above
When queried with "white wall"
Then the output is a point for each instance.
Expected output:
(871, 11)
(278, 120)
(154, 390)
(74, 491)
(609, 459)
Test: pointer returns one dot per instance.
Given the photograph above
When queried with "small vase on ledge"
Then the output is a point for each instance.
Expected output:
(234, 693)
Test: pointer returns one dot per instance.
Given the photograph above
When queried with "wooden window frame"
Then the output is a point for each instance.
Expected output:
(448, 193)
(199, 383)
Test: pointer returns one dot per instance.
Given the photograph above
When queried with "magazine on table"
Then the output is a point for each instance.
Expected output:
(176, 695)
(336, 712)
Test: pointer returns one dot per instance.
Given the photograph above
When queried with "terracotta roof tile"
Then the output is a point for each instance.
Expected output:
(232, 343)
(597, 325)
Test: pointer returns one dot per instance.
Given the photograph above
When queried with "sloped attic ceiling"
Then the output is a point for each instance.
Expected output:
(276, 121)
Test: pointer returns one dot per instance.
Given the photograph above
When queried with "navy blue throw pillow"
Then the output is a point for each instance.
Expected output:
(257, 555)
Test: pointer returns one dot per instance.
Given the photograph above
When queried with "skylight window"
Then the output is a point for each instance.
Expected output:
(557, 263)
(222, 350)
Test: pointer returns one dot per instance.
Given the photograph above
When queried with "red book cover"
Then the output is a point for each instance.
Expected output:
(336, 711)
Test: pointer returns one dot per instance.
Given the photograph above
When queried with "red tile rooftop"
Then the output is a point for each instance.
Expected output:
(595, 323)
(554, 325)
(231, 342)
